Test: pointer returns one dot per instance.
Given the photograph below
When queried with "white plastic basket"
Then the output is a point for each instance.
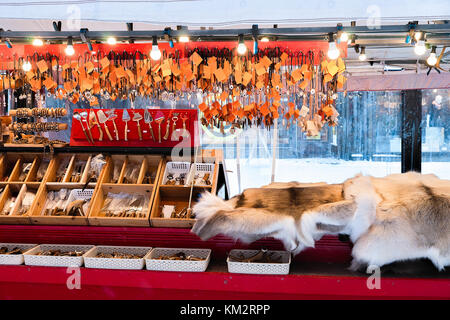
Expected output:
(176, 168)
(16, 258)
(259, 268)
(80, 194)
(178, 265)
(91, 261)
(200, 168)
(31, 259)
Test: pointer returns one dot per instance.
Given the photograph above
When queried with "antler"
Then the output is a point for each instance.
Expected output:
(439, 59)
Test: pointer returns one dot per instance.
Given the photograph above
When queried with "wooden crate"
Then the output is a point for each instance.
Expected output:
(18, 191)
(95, 217)
(11, 165)
(38, 209)
(173, 195)
(51, 185)
(179, 196)
(40, 163)
(148, 165)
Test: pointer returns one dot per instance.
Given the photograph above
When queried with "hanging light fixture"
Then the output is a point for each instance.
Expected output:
(432, 60)
(111, 41)
(362, 55)
(38, 42)
(333, 51)
(420, 48)
(241, 48)
(26, 66)
(344, 36)
(155, 54)
(417, 35)
(69, 50)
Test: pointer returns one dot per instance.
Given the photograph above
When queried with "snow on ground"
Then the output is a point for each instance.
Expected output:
(257, 172)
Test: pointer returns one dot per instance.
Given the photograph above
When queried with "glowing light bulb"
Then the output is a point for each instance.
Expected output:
(183, 39)
(26, 66)
(362, 55)
(418, 35)
(242, 48)
(432, 60)
(265, 39)
(111, 41)
(38, 42)
(420, 48)
(155, 54)
(344, 36)
(69, 50)
(333, 51)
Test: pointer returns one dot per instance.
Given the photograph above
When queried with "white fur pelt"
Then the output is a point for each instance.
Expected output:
(395, 218)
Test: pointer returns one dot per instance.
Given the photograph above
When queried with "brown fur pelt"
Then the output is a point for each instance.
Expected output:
(399, 217)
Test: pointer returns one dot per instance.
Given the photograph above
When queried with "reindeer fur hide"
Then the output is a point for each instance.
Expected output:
(395, 218)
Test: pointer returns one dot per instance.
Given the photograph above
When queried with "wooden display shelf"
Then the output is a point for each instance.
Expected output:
(58, 164)
(61, 167)
(95, 217)
(148, 165)
(38, 211)
(178, 195)
(17, 191)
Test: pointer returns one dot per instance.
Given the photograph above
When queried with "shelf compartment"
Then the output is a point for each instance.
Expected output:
(98, 217)
(177, 196)
(12, 201)
(42, 202)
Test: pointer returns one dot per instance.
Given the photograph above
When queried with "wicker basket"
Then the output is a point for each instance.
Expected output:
(32, 259)
(15, 259)
(91, 261)
(259, 268)
(80, 194)
(178, 265)
(200, 168)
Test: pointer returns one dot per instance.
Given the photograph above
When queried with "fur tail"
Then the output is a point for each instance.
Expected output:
(216, 216)
(204, 210)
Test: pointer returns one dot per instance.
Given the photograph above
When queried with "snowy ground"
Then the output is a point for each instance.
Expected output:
(257, 172)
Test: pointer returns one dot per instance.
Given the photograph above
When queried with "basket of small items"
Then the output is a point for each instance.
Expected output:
(175, 259)
(12, 253)
(176, 173)
(113, 257)
(259, 261)
(201, 174)
(56, 255)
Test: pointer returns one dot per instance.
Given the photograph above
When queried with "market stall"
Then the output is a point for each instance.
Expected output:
(103, 161)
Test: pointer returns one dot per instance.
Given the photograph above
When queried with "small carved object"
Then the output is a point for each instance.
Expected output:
(262, 256)
(4, 250)
(61, 253)
(117, 255)
(179, 256)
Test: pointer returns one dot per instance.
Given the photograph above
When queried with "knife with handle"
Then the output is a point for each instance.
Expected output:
(77, 116)
(102, 119)
(125, 118)
(93, 121)
(148, 119)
